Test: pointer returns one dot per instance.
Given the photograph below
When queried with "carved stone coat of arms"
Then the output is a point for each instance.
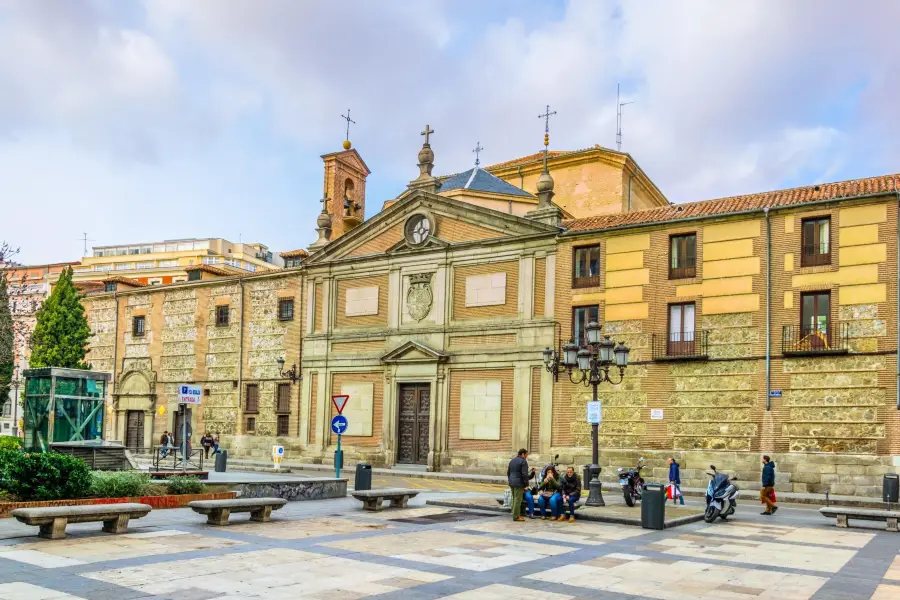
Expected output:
(419, 296)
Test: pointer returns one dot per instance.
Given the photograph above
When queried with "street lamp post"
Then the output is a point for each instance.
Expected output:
(15, 382)
(590, 364)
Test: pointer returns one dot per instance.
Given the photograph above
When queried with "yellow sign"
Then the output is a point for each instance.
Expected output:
(277, 455)
(161, 410)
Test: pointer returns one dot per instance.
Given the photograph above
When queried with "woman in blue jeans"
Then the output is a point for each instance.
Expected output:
(570, 486)
(549, 494)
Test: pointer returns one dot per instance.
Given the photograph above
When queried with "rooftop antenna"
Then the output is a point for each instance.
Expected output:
(85, 239)
(619, 105)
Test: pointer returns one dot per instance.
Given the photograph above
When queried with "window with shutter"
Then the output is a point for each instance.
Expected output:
(251, 404)
(283, 398)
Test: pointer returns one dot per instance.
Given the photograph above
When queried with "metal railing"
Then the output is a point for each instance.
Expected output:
(689, 345)
(170, 458)
(796, 340)
(685, 267)
(814, 255)
(586, 281)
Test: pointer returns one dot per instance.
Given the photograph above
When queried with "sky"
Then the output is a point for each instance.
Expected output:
(142, 121)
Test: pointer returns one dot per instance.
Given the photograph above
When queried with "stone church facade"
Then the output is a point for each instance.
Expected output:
(757, 324)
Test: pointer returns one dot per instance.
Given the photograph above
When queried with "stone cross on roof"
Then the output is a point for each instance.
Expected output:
(428, 131)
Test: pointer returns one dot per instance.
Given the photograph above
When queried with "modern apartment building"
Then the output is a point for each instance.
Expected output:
(159, 263)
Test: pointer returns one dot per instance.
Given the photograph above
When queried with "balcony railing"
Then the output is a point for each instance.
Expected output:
(686, 267)
(689, 345)
(808, 341)
(586, 281)
(815, 255)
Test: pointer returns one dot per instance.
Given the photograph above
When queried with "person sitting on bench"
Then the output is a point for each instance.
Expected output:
(549, 494)
(571, 492)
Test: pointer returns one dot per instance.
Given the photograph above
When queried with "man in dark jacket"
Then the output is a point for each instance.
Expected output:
(571, 492)
(518, 474)
(768, 486)
(675, 480)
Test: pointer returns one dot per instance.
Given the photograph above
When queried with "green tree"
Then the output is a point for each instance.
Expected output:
(61, 333)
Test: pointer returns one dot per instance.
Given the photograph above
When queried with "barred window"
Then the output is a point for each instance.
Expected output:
(137, 326)
(286, 309)
(252, 403)
(222, 313)
(251, 424)
(283, 425)
(283, 398)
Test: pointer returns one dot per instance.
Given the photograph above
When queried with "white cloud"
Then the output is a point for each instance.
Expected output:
(192, 105)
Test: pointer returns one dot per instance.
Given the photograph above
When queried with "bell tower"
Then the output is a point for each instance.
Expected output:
(345, 186)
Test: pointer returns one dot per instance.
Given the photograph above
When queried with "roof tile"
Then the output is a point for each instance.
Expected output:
(735, 204)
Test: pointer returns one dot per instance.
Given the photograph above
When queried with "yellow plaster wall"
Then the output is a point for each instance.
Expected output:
(862, 255)
(863, 215)
(736, 230)
(859, 235)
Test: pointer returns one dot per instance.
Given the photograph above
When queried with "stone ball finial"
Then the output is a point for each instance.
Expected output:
(426, 154)
(545, 182)
(324, 220)
(347, 144)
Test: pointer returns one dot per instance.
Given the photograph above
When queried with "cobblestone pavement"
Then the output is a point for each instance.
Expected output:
(332, 550)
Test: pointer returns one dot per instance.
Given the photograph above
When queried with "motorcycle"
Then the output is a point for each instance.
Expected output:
(721, 494)
(632, 483)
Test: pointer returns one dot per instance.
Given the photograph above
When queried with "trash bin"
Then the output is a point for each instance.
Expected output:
(653, 506)
(339, 459)
(890, 488)
(363, 479)
(221, 461)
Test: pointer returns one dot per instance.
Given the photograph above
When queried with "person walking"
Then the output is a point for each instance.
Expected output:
(675, 480)
(571, 492)
(164, 444)
(517, 475)
(206, 442)
(215, 444)
(768, 486)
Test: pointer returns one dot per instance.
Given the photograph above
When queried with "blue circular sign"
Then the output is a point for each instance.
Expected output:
(339, 424)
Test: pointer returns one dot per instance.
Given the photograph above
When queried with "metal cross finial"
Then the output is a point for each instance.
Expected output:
(546, 117)
(349, 120)
(477, 152)
(428, 131)
(324, 200)
(85, 239)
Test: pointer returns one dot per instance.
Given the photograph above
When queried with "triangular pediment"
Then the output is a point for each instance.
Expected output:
(350, 158)
(455, 222)
(413, 352)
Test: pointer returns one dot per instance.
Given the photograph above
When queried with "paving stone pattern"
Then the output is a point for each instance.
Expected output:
(332, 550)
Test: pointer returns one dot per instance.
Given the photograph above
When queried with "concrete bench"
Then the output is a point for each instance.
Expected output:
(52, 520)
(501, 500)
(373, 499)
(218, 511)
(843, 514)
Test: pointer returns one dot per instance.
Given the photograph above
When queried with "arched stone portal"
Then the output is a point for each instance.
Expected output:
(134, 403)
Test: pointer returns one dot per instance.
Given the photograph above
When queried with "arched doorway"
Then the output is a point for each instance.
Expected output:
(135, 397)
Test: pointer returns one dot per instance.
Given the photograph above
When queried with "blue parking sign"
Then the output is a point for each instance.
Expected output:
(339, 424)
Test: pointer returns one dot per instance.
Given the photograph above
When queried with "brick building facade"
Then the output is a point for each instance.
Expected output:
(758, 324)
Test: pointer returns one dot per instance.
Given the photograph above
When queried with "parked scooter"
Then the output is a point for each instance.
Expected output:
(721, 496)
(632, 483)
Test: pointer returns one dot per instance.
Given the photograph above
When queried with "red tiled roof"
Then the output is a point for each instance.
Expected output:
(300, 253)
(125, 280)
(209, 269)
(736, 204)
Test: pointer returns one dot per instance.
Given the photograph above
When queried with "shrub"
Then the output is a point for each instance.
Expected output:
(10, 442)
(184, 485)
(47, 476)
(6, 457)
(119, 484)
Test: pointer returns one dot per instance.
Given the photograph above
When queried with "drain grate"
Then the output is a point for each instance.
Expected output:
(447, 517)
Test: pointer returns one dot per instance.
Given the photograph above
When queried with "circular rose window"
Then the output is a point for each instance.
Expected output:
(418, 228)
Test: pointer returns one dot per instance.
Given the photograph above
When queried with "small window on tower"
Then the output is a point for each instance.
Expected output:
(222, 313)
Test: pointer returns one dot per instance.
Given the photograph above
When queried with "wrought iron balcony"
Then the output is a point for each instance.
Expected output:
(685, 268)
(810, 341)
(814, 255)
(690, 345)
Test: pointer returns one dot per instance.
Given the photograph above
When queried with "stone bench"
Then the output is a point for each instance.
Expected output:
(218, 511)
(52, 520)
(373, 499)
(501, 500)
(843, 514)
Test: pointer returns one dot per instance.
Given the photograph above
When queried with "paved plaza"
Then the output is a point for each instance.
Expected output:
(332, 550)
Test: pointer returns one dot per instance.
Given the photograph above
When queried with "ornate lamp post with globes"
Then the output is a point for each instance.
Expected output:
(590, 365)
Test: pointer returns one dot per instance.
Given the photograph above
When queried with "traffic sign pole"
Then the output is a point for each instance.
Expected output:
(337, 460)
